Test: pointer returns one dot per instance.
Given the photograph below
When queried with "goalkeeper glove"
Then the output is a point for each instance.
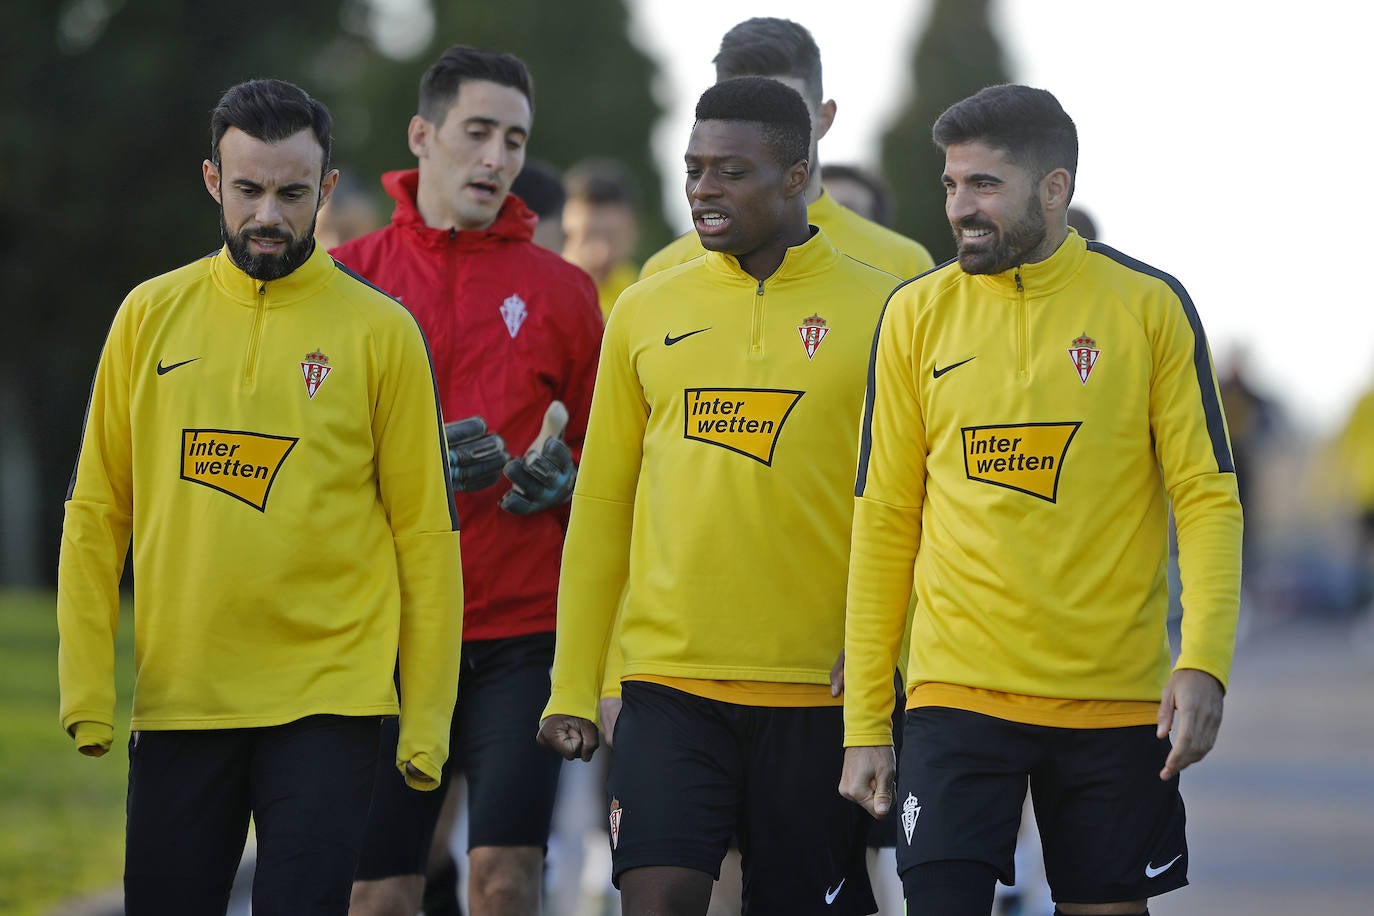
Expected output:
(541, 480)
(475, 456)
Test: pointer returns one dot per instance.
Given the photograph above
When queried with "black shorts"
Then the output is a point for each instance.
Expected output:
(306, 785)
(511, 780)
(1112, 831)
(689, 773)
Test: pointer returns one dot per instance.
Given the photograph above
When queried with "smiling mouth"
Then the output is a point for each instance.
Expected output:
(710, 221)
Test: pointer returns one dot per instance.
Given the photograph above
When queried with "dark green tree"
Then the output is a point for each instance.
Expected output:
(956, 55)
(105, 125)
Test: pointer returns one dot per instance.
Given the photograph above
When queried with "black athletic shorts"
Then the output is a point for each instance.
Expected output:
(1112, 831)
(689, 773)
(511, 780)
(306, 785)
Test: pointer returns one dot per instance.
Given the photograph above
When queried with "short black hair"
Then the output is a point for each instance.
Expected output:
(541, 188)
(767, 46)
(270, 111)
(459, 64)
(601, 181)
(776, 108)
(1028, 124)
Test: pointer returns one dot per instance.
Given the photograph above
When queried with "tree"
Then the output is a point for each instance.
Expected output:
(106, 125)
(956, 55)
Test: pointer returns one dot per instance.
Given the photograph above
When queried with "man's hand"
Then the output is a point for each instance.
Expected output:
(475, 456)
(610, 711)
(1191, 708)
(545, 477)
(870, 778)
(571, 736)
(540, 480)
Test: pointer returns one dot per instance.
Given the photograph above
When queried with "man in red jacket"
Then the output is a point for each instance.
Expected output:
(512, 328)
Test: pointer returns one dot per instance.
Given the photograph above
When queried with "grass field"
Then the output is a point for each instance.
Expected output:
(61, 814)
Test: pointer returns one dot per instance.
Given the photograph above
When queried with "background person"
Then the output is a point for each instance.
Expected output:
(513, 329)
(262, 426)
(601, 226)
(1041, 390)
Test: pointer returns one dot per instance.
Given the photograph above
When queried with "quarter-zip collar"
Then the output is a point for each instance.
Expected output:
(813, 256)
(302, 283)
(1043, 277)
(514, 222)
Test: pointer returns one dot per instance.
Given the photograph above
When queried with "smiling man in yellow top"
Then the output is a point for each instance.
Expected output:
(263, 425)
(714, 490)
(1033, 412)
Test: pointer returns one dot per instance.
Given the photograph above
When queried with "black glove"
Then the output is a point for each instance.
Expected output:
(475, 456)
(540, 480)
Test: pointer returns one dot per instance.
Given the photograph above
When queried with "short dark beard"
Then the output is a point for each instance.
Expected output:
(267, 266)
(1014, 245)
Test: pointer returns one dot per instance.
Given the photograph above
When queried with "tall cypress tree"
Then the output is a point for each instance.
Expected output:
(956, 55)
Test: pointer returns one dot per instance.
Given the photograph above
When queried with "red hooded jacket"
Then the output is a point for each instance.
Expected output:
(511, 327)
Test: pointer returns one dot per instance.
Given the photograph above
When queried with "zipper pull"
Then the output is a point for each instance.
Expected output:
(1019, 287)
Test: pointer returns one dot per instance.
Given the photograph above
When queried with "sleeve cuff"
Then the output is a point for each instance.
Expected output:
(93, 738)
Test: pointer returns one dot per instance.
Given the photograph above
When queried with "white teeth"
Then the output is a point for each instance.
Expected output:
(712, 219)
(976, 233)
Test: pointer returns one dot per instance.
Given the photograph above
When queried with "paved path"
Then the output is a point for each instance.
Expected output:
(1281, 815)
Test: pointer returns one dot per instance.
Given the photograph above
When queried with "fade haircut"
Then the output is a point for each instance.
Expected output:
(460, 64)
(601, 182)
(1029, 125)
(778, 110)
(766, 46)
(270, 111)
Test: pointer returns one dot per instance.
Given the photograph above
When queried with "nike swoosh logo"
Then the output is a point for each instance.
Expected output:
(669, 340)
(1151, 872)
(939, 372)
(831, 895)
(163, 370)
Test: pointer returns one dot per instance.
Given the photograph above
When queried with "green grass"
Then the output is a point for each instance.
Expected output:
(61, 814)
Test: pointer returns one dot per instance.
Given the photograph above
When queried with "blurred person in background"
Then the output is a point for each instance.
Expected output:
(862, 190)
(601, 226)
(514, 331)
(297, 547)
(1356, 454)
(540, 186)
(784, 50)
(351, 211)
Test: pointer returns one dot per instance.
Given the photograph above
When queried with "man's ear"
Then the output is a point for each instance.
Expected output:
(417, 136)
(798, 174)
(825, 117)
(327, 186)
(210, 172)
(1054, 190)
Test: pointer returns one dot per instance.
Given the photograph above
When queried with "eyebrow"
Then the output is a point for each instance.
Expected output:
(250, 185)
(495, 125)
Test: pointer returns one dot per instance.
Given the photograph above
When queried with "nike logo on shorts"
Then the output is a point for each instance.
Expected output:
(669, 340)
(1152, 872)
(831, 895)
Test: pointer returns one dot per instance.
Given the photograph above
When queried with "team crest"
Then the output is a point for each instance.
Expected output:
(911, 810)
(514, 312)
(1084, 354)
(615, 822)
(315, 367)
(812, 331)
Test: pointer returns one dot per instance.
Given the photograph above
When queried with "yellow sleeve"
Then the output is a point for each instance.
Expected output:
(412, 478)
(596, 552)
(95, 542)
(1194, 454)
(889, 494)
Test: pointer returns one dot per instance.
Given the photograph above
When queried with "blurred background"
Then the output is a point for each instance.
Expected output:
(1219, 142)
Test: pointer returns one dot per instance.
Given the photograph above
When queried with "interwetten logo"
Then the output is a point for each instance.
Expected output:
(1026, 457)
(241, 464)
(744, 420)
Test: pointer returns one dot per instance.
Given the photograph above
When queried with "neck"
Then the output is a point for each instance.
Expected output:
(763, 262)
